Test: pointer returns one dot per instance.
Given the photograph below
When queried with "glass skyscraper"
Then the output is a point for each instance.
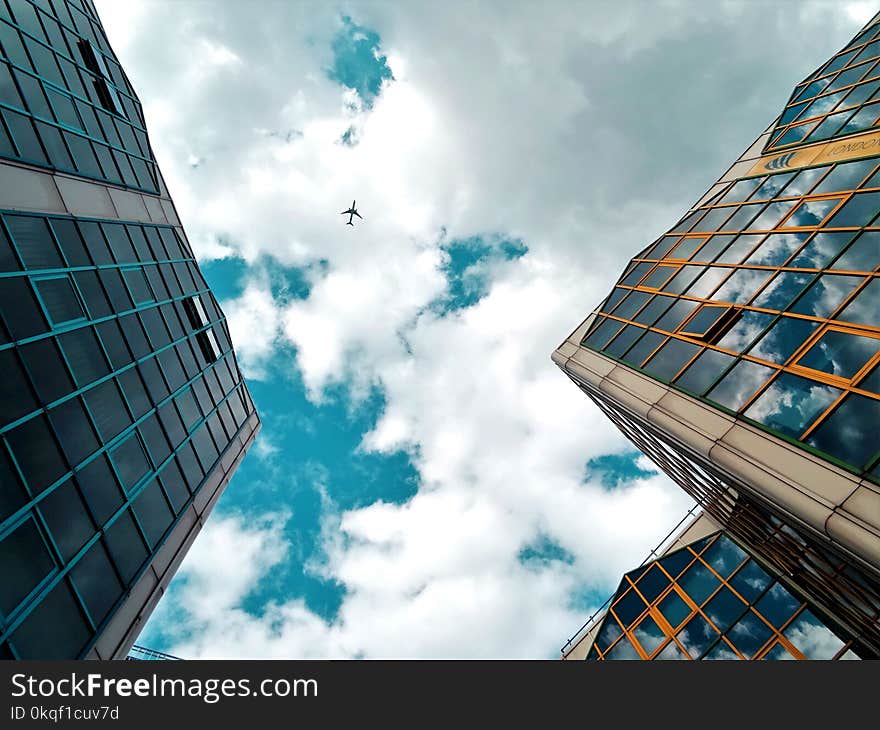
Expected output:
(741, 350)
(123, 413)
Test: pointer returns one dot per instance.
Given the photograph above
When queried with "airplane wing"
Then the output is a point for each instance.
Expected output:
(358, 215)
(345, 212)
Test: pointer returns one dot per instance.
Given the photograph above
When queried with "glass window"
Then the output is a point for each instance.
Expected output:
(67, 519)
(99, 489)
(821, 249)
(872, 381)
(24, 562)
(791, 404)
(776, 249)
(70, 241)
(670, 653)
(705, 318)
(777, 605)
(721, 652)
(686, 248)
(649, 342)
(704, 371)
(698, 582)
(708, 281)
(772, 186)
(812, 638)
(749, 634)
(860, 210)
(811, 213)
(609, 633)
(602, 333)
(804, 180)
(121, 247)
(620, 344)
(686, 275)
(840, 353)
(20, 310)
(658, 277)
(649, 634)
(772, 215)
(60, 300)
(34, 242)
(138, 286)
(778, 653)
(740, 220)
(741, 190)
(623, 649)
(785, 336)
(130, 461)
(15, 393)
(846, 176)
(650, 312)
(782, 289)
(864, 306)
(676, 315)
(125, 546)
(636, 274)
(849, 433)
(37, 454)
(74, 430)
(861, 255)
(697, 636)
(671, 358)
(96, 582)
(55, 629)
(741, 286)
(674, 609)
(737, 386)
(750, 581)
(115, 288)
(93, 293)
(652, 583)
(155, 439)
(628, 607)
(114, 343)
(153, 513)
(107, 409)
(825, 295)
(744, 331)
(175, 486)
(84, 355)
(724, 608)
(724, 556)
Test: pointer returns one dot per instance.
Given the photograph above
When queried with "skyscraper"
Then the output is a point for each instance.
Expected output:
(741, 350)
(123, 413)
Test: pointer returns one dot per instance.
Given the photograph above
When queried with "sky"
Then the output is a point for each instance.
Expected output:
(427, 483)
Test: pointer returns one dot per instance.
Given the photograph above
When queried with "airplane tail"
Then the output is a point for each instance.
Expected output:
(349, 223)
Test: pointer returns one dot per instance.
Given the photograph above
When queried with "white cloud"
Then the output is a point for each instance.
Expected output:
(584, 130)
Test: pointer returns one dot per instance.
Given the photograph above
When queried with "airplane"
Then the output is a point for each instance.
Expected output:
(351, 212)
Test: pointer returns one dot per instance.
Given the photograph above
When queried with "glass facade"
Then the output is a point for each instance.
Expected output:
(65, 102)
(762, 302)
(712, 600)
(765, 300)
(123, 409)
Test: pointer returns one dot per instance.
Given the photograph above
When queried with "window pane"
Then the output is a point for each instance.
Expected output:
(24, 562)
(15, 393)
(825, 295)
(864, 306)
(750, 580)
(649, 634)
(55, 629)
(34, 242)
(791, 404)
(20, 309)
(628, 607)
(37, 454)
(84, 355)
(697, 636)
(749, 634)
(99, 489)
(671, 358)
(67, 519)
(840, 353)
(60, 300)
(130, 461)
(153, 513)
(698, 582)
(674, 609)
(849, 433)
(780, 292)
(745, 330)
(704, 371)
(724, 555)
(724, 608)
(860, 210)
(777, 605)
(125, 546)
(107, 409)
(812, 637)
(739, 384)
(96, 582)
(821, 249)
(74, 431)
(861, 255)
(784, 337)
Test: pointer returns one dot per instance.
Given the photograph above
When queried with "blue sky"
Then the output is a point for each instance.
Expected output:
(427, 483)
